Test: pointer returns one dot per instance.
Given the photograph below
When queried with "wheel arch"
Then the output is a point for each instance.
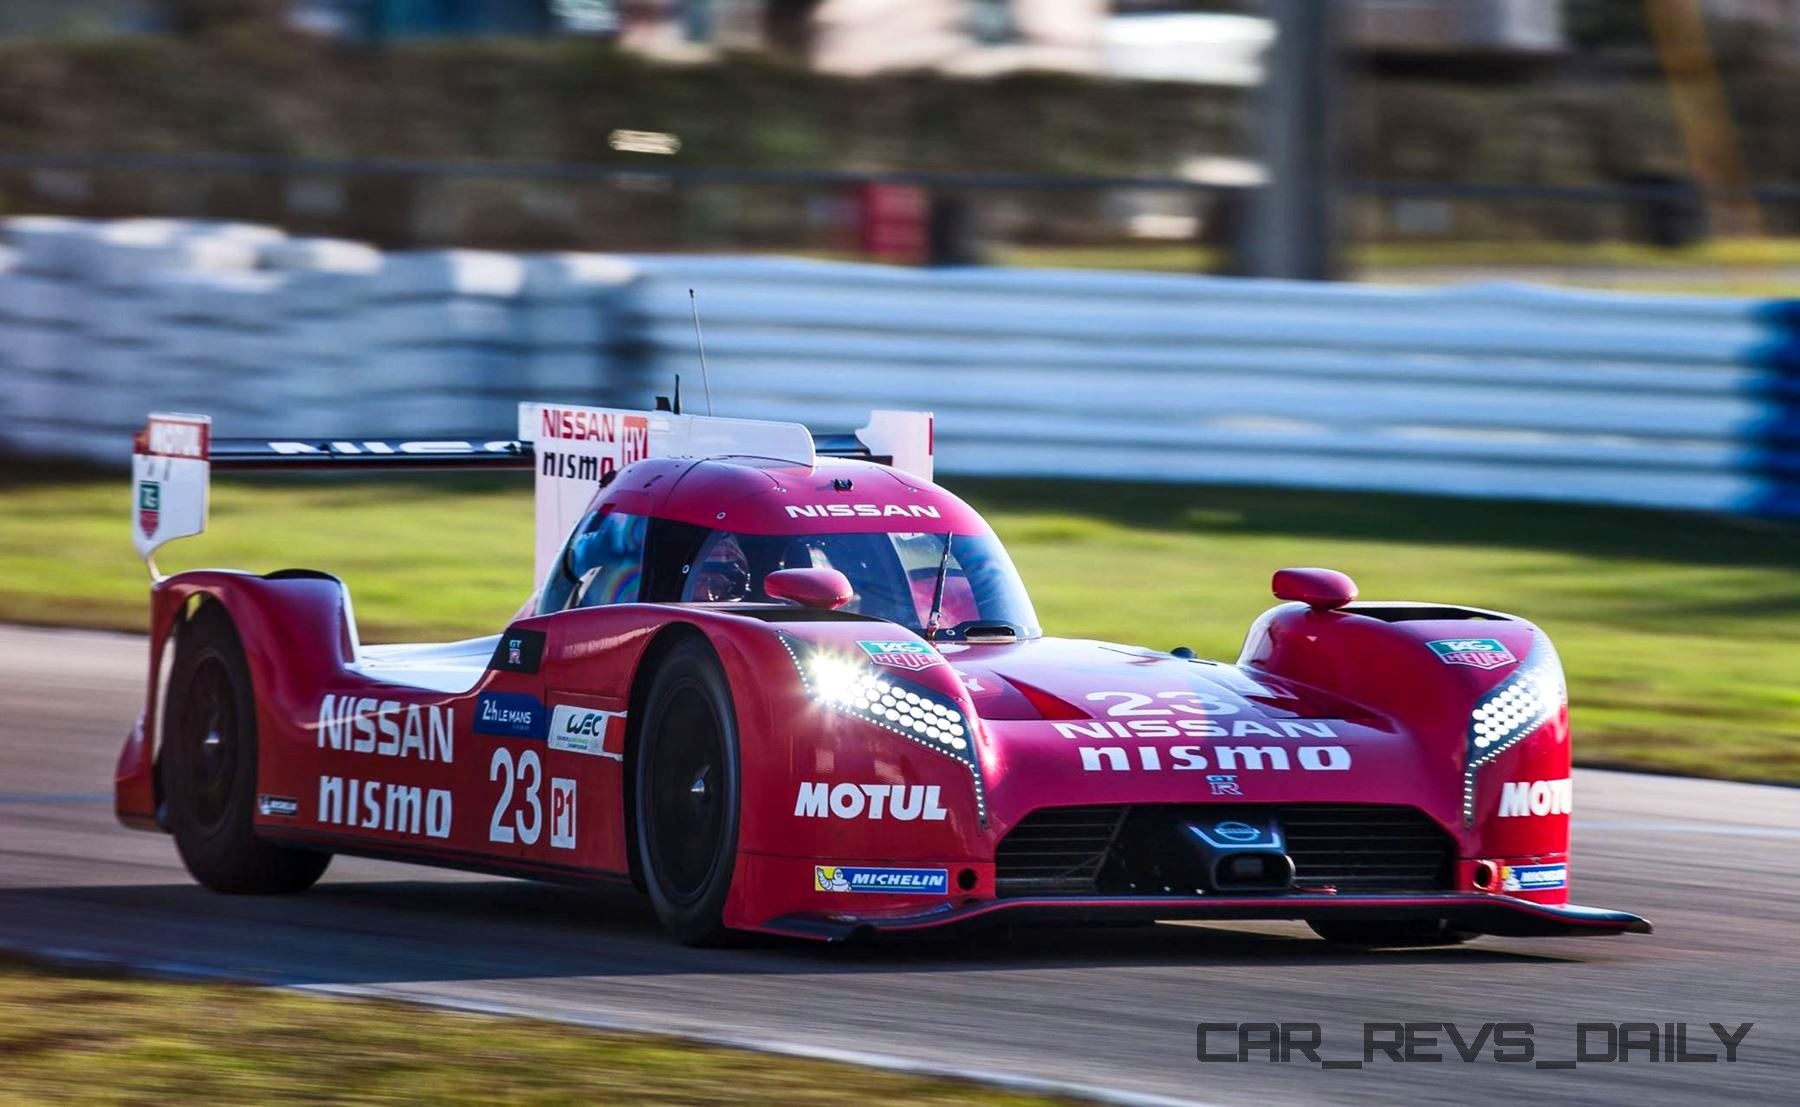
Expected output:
(307, 612)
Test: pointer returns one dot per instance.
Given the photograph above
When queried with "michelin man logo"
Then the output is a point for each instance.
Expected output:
(829, 878)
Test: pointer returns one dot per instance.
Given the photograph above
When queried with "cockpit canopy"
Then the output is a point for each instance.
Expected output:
(615, 557)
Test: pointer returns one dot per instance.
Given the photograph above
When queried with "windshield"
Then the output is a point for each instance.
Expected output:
(894, 575)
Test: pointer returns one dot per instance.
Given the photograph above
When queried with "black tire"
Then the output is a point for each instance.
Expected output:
(209, 768)
(685, 779)
(1374, 934)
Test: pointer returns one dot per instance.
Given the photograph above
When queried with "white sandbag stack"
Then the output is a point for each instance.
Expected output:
(317, 390)
(570, 334)
(42, 309)
(440, 345)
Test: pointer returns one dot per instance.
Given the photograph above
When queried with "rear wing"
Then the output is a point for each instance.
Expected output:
(571, 450)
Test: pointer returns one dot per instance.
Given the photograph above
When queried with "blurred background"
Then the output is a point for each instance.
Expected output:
(1482, 301)
(1615, 143)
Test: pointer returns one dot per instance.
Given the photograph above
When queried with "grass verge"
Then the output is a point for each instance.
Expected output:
(1680, 633)
(101, 1038)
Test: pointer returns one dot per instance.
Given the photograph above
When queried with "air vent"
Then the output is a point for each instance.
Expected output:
(1118, 850)
(1058, 851)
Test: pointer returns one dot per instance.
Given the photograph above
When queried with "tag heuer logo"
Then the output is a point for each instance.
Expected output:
(149, 507)
(902, 654)
(1482, 653)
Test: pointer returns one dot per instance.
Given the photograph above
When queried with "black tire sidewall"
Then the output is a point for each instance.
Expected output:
(699, 922)
(210, 635)
(230, 858)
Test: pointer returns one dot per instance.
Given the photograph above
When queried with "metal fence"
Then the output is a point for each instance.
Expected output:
(1485, 390)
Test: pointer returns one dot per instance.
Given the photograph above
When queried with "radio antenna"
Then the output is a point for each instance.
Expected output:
(701, 344)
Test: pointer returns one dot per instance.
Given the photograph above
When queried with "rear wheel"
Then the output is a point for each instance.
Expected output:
(209, 768)
(686, 783)
(1375, 934)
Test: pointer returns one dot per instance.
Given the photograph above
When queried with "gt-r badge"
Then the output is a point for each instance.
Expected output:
(519, 651)
(902, 655)
(1482, 653)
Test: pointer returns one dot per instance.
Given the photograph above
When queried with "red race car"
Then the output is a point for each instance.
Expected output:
(787, 684)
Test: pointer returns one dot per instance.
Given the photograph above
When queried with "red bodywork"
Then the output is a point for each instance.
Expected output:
(380, 751)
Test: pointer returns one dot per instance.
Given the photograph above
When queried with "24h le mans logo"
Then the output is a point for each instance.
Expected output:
(1482, 653)
(149, 507)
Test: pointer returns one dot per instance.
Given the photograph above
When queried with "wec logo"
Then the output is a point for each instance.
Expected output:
(588, 730)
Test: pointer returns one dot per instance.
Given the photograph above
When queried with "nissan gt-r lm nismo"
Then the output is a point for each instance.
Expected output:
(788, 684)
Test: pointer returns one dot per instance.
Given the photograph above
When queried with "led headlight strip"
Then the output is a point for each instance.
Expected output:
(1513, 709)
(920, 715)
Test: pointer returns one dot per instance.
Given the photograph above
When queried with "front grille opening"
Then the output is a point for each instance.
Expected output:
(1058, 850)
(1126, 850)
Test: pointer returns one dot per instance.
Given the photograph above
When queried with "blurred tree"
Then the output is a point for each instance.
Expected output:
(787, 26)
(195, 18)
(1602, 23)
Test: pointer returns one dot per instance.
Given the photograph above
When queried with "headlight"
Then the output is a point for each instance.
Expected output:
(1513, 709)
(836, 679)
(922, 715)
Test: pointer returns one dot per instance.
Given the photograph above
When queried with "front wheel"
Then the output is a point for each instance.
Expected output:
(686, 784)
(209, 768)
(1374, 934)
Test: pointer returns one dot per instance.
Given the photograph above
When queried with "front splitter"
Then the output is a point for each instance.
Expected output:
(1476, 912)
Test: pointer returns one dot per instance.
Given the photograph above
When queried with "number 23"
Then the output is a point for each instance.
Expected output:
(1136, 705)
(501, 768)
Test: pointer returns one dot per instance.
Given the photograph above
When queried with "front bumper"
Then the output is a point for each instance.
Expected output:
(1476, 912)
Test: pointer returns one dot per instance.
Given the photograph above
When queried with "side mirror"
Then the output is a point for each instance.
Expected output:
(825, 589)
(1319, 589)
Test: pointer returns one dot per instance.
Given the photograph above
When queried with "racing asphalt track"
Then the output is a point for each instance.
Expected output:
(1716, 866)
